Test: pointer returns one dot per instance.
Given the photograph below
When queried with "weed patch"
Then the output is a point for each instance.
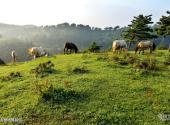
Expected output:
(43, 69)
(11, 76)
(147, 64)
(61, 96)
(77, 70)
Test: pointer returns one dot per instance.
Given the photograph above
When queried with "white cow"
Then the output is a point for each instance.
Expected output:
(119, 45)
(13, 55)
(37, 52)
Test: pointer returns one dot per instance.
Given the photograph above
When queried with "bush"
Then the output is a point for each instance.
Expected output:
(94, 47)
(132, 59)
(116, 58)
(11, 76)
(41, 87)
(119, 60)
(61, 96)
(147, 64)
(43, 69)
(79, 70)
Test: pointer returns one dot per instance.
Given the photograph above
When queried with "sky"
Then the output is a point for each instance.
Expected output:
(98, 13)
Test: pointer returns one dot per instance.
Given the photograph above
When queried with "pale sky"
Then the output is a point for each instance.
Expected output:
(100, 13)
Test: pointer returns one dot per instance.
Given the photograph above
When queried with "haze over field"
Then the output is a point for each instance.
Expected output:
(100, 13)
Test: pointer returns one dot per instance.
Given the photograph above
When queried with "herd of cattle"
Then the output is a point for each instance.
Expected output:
(117, 47)
(121, 45)
(40, 51)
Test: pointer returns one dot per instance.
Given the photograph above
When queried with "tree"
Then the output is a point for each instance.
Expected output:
(73, 25)
(108, 28)
(87, 27)
(80, 26)
(164, 25)
(116, 27)
(94, 47)
(140, 29)
(97, 29)
(63, 25)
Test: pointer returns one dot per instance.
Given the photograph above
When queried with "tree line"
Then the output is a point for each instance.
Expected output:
(80, 27)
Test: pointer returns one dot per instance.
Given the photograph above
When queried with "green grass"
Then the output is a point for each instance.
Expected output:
(101, 92)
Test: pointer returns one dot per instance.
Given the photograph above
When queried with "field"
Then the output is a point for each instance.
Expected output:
(99, 89)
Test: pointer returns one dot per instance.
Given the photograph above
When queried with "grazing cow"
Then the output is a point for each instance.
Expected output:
(69, 47)
(13, 55)
(37, 52)
(119, 45)
(142, 45)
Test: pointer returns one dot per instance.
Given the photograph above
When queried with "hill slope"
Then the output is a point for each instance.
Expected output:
(85, 89)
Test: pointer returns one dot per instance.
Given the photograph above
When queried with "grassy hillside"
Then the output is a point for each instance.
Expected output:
(86, 89)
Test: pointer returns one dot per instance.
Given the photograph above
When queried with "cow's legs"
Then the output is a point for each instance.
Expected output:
(150, 50)
(70, 51)
(34, 57)
(67, 51)
(139, 51)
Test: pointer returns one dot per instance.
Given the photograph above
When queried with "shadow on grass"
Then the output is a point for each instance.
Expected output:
(62, 96)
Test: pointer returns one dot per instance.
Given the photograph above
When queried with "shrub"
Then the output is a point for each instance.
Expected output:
(79, 70)
(11, 76)
(94, 47)
(147, 64)
(61, 96)
(132, 59)
(41, 87)
(116, 58)
(43, 69)
(119, 60)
